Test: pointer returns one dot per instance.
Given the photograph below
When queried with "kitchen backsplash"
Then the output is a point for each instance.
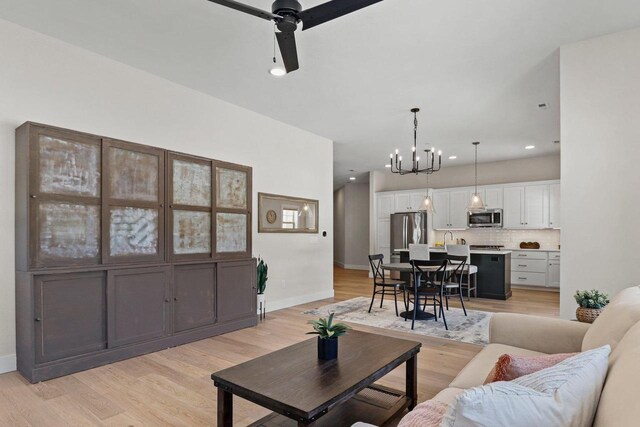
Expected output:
(548, 239)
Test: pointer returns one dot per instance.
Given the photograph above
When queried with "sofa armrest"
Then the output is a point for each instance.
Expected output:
(537, 333)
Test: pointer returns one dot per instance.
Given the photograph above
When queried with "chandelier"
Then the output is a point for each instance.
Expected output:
(428, 165)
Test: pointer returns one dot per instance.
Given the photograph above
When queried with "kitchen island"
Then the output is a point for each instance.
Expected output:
(494, 270)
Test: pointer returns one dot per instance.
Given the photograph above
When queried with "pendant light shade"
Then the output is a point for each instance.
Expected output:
(476, 204)
(427, 205)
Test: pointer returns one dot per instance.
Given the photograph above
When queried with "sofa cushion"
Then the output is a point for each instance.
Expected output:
(619, 401)
(448, 395)
(509, 366)
(426, 414)
(477, 370)
(565, 395)
(616, 319)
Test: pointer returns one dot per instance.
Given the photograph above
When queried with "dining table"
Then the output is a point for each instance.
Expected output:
(406, 267)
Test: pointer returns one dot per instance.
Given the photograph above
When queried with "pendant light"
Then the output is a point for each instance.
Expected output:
(476, 204)
(427, 203)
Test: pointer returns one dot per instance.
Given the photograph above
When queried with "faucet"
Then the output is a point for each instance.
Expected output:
(444, 238)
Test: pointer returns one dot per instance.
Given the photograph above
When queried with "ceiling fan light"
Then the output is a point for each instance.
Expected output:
(277, 71)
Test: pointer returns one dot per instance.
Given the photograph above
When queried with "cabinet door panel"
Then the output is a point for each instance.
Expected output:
(70, 311)
(403, 202)
(236, 290)
(553, 276)
(385, 206)
(194, 296)
(138, 304)
(536, 206)
(513, 207)
(493, 198)
(416, 201)
(231, 188)
(441, 208)
(458, 209)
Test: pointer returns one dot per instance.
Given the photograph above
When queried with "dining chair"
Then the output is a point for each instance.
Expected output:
(470, 270)
(454, 278)
(425, 285)
(387, 286)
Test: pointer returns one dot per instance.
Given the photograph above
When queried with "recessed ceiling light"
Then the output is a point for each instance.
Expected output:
(352, 178)
(387, 166)
(277, 71)
(453, 157)
(529, 147)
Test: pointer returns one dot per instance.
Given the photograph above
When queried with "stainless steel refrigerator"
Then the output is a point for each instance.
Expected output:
(407, 228)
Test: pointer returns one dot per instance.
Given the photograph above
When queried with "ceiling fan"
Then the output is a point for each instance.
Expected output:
(288, 13)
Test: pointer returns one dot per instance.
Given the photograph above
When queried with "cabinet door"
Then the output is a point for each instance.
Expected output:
(193, 296)
(441, 208)
(536, 213)
(138, 304)
(553, 275)
(70, 315)
(403, 202)
(458, 209)
(236, 290)
(232, 212)
(493, 198)
(133, 208)
(513, 207)
(385, 205)
(554, 205)
(416, 201)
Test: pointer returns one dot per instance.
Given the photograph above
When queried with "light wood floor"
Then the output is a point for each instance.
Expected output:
(173, 387)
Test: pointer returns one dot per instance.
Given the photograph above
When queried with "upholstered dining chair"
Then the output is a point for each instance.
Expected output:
(471, 271)
(386, 286)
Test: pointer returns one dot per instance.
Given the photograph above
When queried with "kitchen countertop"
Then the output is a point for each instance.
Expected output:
(473, 251)
(539, 250)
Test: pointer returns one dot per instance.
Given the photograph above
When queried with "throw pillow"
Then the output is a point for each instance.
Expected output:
(565, 395)
(509, 366)
(425, 414)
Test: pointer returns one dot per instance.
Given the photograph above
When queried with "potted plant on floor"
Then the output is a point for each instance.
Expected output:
(591, 305)
(261, 280)
(328, 333)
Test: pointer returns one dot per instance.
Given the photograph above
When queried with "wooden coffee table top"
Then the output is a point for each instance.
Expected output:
(294, 381)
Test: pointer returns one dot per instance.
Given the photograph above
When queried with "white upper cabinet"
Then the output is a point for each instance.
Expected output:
(536, 206)
(441, 207)
(385, 205)
(554, 205)
(513, 207)
(409, 202)
(458, 202)
(416, 200)
(492, 198)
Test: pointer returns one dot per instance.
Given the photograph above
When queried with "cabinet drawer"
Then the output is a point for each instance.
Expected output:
(529, 265)
(531, 279)
(515, 255)
(554, 256)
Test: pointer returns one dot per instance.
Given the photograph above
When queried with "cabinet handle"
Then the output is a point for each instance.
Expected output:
(522, 254)
(522, 278)
(161, 205)
(170, 206)
(37, 319)
(33, 196)
(175, 299)
(166, 300)
(524, 265)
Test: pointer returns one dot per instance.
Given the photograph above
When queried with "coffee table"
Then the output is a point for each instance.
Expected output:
(303, 390)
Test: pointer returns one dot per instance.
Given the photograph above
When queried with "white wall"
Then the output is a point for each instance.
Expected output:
(600, 119)
(338, 226)
(503, 172)
(48, 81)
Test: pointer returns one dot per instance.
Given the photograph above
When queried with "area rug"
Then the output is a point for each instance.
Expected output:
(473, 328)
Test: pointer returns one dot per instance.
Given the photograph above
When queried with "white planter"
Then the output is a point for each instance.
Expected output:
(261, 305)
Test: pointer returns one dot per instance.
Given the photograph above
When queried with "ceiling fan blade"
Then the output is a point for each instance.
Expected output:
(331, 10)
(247, 9)
(287, 43)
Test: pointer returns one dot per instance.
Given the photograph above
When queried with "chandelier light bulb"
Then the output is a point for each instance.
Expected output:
(418, 159)
(397, 151)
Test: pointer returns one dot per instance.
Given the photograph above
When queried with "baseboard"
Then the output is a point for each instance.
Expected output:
(302, 299)
(339, 264)
(7, 363)
(356, 267)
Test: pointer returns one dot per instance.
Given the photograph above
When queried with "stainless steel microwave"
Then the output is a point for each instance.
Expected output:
(488, 218)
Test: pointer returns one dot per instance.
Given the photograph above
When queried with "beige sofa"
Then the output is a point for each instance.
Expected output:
(521, 334)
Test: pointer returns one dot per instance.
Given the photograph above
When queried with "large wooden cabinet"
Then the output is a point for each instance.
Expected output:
(123, 249)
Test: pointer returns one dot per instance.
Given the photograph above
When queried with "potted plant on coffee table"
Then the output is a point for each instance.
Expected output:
(591, 305)
(328, 333)
(261, 280)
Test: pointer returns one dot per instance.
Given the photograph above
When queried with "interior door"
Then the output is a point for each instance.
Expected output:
(138, 301)
(513, 207)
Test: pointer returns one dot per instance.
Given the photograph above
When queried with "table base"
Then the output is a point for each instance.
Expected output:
(420, 315)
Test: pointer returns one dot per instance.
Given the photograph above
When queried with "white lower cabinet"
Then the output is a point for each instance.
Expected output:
(535, 268)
